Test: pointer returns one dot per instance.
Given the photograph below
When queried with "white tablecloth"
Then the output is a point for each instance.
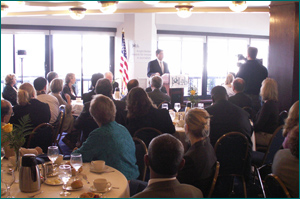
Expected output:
(77, 107)
(116, 178)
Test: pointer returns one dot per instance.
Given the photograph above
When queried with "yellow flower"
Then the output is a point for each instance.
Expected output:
(193, 92)
(7, 128)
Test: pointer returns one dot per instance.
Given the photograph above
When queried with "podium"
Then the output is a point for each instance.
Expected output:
(175, 91)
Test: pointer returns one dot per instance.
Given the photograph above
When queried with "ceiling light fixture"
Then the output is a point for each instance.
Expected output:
(4, 10)
(238, 6)
(151, 2)
(184, 11)
(108, 7)
(77, 12)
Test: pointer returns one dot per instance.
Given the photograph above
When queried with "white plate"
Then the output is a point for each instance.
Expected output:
(101, 171)
(53, 184)
(93, 189)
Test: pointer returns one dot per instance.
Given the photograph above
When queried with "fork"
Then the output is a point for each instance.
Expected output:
(32, 196)
(85, 177)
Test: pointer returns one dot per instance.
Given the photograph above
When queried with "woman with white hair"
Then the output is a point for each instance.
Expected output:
(10, 90)
(200, 158)
(228, 85)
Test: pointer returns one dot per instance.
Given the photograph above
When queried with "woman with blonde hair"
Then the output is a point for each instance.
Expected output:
(228, 85)
(200, 158)
(10, 90)
(69, 88)
(291, 121)
(39, 112)
(56, 87)
(267, 117)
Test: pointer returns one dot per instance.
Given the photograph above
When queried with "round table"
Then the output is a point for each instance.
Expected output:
(117, 179)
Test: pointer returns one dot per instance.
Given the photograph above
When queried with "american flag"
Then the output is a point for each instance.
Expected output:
(124, 65)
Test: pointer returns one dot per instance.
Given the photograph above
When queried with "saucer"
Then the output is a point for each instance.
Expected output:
(101, 171)
(107, 189)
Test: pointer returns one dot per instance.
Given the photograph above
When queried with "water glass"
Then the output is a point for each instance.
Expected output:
(2, 153)
(177, 107)
(65, 174)
(76, 162)
(165, 106)
(200, 105)
(53, 153)
(8, 178)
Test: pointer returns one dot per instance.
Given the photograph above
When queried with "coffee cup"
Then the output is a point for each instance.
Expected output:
(98, 165)
(59, 159)
(101, 184)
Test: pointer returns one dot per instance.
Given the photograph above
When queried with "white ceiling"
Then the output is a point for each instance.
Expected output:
(61, 7)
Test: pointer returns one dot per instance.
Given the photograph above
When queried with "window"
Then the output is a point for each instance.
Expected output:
(6, 56)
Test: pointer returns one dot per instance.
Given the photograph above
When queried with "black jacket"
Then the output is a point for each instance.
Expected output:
(10, 94)
(158, 97)
(154, 67)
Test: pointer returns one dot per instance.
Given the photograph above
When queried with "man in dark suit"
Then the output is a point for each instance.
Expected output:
(156, 95)
(165, 159)
(158, 66)
(240, 98)
(86, 97)
(85, 121)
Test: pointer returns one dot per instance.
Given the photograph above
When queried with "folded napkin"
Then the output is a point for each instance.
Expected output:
(35, 151)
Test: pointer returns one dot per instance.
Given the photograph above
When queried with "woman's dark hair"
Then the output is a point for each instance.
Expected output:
(138, 103)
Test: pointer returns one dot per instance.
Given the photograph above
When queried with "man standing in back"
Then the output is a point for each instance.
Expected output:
(158, 65)
(253, 73)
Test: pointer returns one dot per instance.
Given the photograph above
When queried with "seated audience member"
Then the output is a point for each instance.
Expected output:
(69, 87)
(150, 88)
(142, 113)
(130, 85)
(156, 95)
(200, 158)
(110, 77)
(86, 123)
(228, 85)
(38, 111)
(6, 113)
(291, 121)
(267, 117)
(51, 75)
(86, 97)
(240, 98)
(40, 85)
(10, 90)
(56, 86)
(110, 142)
(286, 164)
(165, 159)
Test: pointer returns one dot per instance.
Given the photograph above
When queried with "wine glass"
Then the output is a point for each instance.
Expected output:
(8, 178)
(177, 106)
(65, 174)
(53, 153)
(76, 162)
(165, 106)
(2, 153)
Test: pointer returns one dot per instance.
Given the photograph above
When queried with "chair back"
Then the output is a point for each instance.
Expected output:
(147, 134)
(41, 137)
(214, 180)
(274, 187)
(274, 145)
(232, 152)
(58, 133)
(140, 151)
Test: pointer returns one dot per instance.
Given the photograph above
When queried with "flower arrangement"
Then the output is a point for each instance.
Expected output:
(15, 136)
(192, 92)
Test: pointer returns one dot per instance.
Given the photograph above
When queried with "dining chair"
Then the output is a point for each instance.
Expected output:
(58, 133)
(232, 152)
(214, 180)
(147, 134)
(41, 137)
(274, 187)
(140, 151)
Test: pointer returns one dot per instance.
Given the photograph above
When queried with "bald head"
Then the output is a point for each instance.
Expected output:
(218, 93)
(108, 75)
(6, 111)
(238, 85)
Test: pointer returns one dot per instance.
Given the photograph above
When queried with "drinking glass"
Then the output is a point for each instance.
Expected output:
(177, 107)
(165, 106)
(200, 105)
(2, 153)
(65, 174)
(76, 162)
(53, 153)
(8, 178)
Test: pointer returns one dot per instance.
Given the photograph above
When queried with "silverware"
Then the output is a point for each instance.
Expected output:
(32, 196)
(85, 177)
